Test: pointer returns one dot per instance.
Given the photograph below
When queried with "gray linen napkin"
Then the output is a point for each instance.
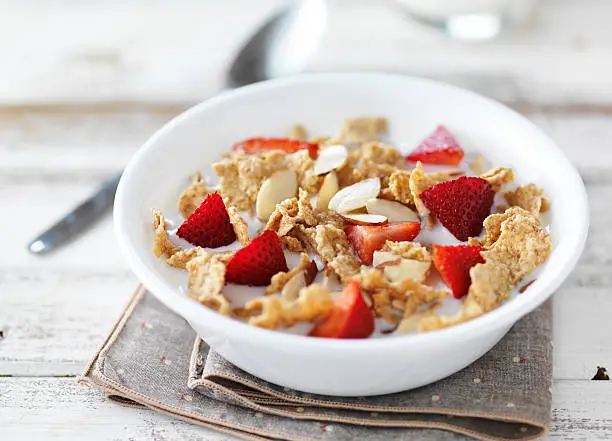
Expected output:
(150, 359)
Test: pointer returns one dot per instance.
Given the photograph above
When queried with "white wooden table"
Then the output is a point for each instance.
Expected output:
(83, 84)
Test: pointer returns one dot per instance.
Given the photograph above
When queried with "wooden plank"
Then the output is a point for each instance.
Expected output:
(54, 322)
(87, 143)
(57, 408)
(181, 51)
(60, 409)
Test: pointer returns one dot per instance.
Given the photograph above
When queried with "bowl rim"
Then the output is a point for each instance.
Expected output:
(188, 308)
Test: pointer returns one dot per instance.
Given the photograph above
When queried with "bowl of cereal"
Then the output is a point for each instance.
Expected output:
(351, 233)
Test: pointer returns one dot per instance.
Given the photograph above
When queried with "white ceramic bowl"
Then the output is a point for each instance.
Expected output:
(192, 141)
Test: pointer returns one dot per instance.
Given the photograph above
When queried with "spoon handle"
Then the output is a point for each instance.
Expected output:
(78, 220)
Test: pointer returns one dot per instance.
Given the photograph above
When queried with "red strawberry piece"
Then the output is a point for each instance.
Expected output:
(454, 263)
(260, 145)
(461, 205)
(256, 263)
(439, 148)
(350, 318)
(368, 238)
(209, 225)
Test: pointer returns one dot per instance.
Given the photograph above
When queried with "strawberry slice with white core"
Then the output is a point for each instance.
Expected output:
(366, 239)
(454, 264)
(350, 318)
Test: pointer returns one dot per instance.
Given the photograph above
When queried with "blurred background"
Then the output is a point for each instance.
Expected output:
(83, 83)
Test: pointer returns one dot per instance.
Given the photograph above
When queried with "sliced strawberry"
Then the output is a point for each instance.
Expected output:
(209, 225)
(256, 263)
(350, 318)
(439, 148)
(461, 205)
(260, 145)
(454, 263)
(368, 238)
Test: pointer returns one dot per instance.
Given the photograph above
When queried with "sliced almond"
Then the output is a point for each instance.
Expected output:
(331, 280)
(291, 290)
(328, 189)
(364, 219)
(355, 196)
(407, 269)
(330, 158)
(381, 257)
(394, 211)
(274, 190)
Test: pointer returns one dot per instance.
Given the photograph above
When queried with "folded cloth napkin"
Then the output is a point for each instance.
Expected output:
(150, 359)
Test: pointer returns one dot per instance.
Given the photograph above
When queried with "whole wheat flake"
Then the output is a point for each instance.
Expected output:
(303, 165)
(298, 132)
(274, 312)
(346, 266)
(479, 164)
(329, 242)
(241, 176)
(241, 228)
(206, 281)
(528, 197)
(162, 246)
(408, 250)
(498, 177)
(399, 188)
(360, 130)
(394, 301)
(329, 217)
(292, 212)
(280, 279)
(192, 196)
(292, 244)
(181, 258)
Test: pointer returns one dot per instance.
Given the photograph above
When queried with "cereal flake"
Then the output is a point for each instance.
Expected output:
(280, 279)
(408, 250)
(181, 258)
(303, 165)
(274, 312)
(241, 228)
(162, 245)
(360, 130)
(529, 197)
(241, 176)
(498, 177)
(298, 132)
(193, 196)
(206, 280)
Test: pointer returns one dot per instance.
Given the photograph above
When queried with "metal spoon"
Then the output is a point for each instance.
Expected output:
(281, 46)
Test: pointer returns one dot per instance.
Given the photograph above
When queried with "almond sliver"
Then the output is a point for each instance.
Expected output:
(364, 219)
(328, 189)
(274, 190)
(381, 257)
(330, 158)
(355, 196)
(394, 211)
(407, 269)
